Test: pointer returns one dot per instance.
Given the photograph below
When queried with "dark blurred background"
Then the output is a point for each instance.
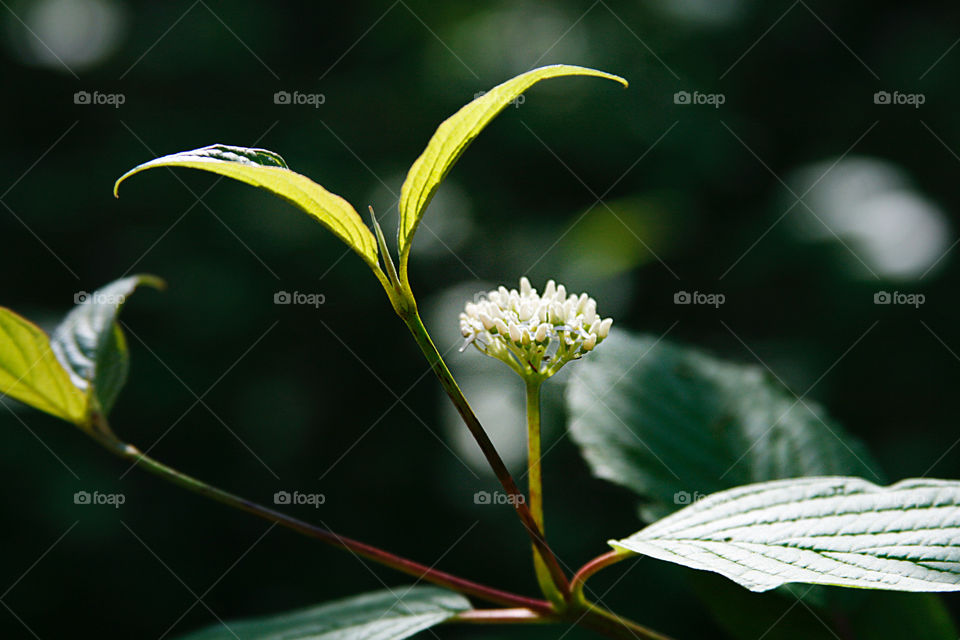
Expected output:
(781, 179)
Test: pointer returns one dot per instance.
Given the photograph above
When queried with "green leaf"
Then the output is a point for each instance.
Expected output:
(91, 345)
(671, 423)
(265, 169)
(832, 531)
(455, 134)
(31, 373)
(383, 615)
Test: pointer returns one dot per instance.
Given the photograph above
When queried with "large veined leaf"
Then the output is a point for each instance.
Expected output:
(637, 392)
(31, 373)
(91, 345)
(672, 424)
(265, 169)
(455, 134)
(383, 615)
(832, 531)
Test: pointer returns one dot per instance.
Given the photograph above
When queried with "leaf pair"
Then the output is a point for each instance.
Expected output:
(77, 372)
(267, 170)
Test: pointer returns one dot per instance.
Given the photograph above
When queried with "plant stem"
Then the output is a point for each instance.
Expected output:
(535, 486)
(580, 578)
(615, 626)
(415, 569)
(415, 324)
(503, 616)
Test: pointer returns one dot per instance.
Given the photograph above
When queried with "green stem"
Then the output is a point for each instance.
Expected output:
(415, 324)
(535, 487)
(415, 569)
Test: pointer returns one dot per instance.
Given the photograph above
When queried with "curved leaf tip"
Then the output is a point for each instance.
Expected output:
(211, 153)
(455, 134)
(267, 170)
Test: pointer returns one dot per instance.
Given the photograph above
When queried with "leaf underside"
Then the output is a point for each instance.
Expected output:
(92, 347)
(384, 615)
(832, 531)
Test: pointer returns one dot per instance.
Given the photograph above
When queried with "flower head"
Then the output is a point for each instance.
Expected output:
(535, 334)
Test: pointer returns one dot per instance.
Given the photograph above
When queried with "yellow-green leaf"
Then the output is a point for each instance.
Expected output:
(455, 134)
(31, 373)
(267, 170)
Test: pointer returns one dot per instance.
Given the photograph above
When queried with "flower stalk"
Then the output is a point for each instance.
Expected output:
(535, 486)
(558, 578)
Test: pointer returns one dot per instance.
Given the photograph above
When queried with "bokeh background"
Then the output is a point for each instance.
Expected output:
(785, 183)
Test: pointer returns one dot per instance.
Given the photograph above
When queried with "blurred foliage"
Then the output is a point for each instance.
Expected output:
(626, 194)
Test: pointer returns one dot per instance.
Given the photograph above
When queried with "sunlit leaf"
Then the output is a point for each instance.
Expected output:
(455, 134)
(384, 615)
(268, 170)
(31, 373)
(832, 531)
(91, 345)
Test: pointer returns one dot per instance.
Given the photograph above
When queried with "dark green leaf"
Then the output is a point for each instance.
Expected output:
(673, 424)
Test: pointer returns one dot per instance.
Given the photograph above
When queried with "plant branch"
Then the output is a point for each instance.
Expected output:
(415, 324)
(580, 578)
(403, 565)
(503, 616)
(615, 626)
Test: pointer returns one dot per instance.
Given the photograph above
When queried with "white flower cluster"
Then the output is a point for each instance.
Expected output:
(534, 334)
